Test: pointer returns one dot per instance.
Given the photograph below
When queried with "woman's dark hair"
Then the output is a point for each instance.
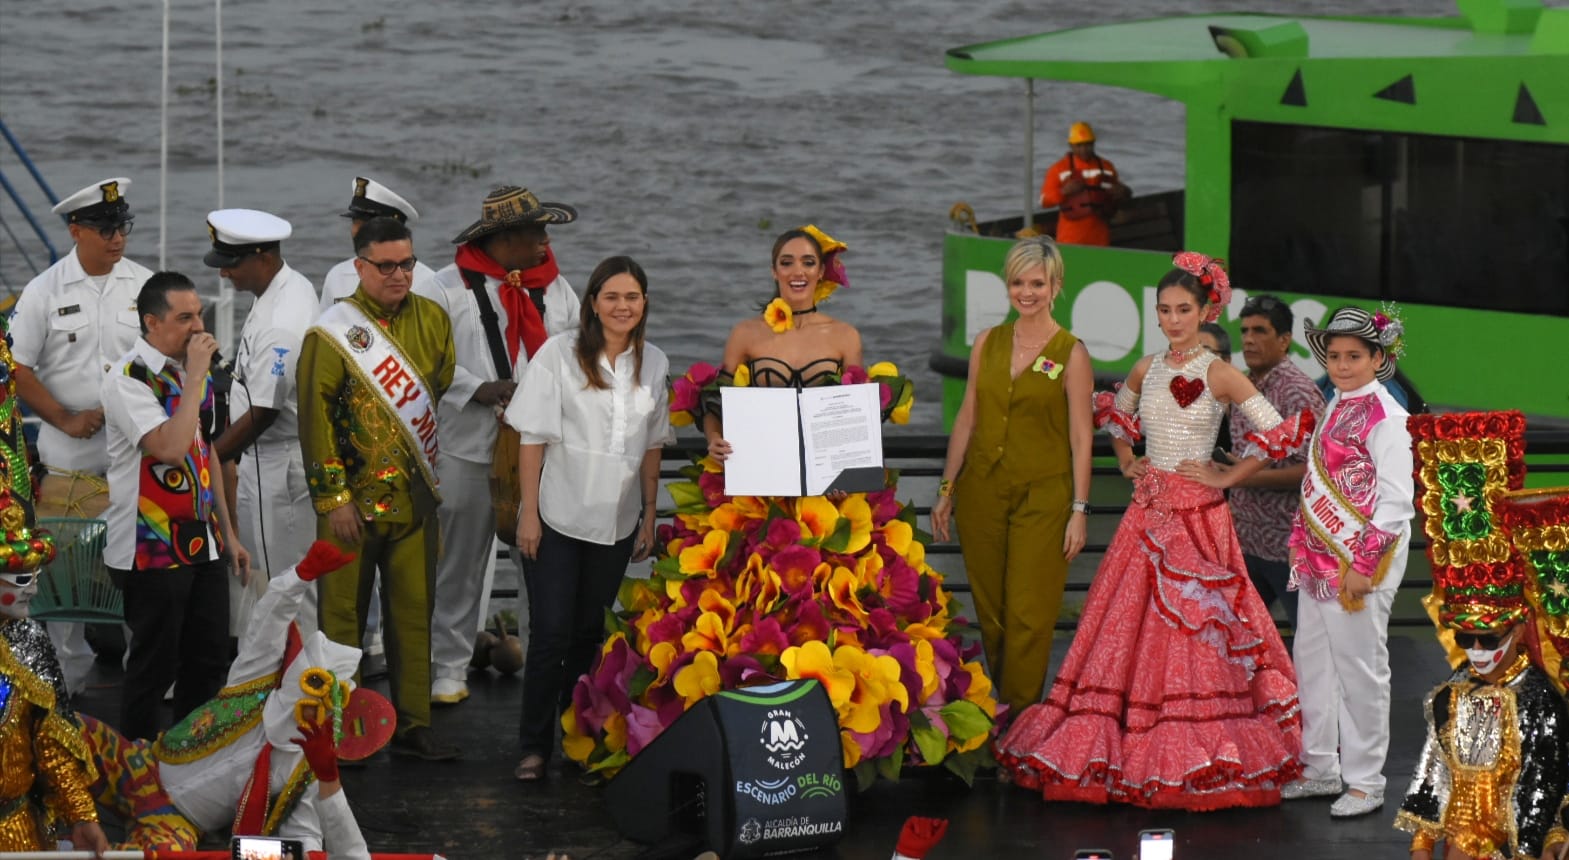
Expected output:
(1186, 280)
(591, 334)
(784, 239)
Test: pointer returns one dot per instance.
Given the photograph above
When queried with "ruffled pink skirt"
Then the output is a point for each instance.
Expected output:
(1177, 691)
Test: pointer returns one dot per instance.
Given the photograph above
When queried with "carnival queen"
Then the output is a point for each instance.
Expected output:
(751, 590)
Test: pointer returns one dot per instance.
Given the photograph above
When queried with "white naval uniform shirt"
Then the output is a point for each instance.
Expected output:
(70, 333)
(269, 348)
(341, 282)
(131, 411)
(467, 430)
(594, 438)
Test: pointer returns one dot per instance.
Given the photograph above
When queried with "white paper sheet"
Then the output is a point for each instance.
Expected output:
(843, 429)
(763, 428)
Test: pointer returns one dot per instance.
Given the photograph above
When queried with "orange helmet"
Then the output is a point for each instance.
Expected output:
(1080, 132)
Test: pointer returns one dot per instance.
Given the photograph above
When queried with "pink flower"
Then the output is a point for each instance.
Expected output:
(795, 565)
(765, 637)
(1380, 321)
(683, 395)
(854, 375)
(702, 373)
(783, 533)
(810, 624)
(884, 395)
(643, 726)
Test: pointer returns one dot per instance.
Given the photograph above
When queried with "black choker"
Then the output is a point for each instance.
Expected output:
(810, 310)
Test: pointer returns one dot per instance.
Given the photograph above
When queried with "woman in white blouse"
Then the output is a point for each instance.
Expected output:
(592, 413)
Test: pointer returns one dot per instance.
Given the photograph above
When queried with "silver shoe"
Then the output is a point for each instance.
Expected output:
(1310, 788)
(1351, 806)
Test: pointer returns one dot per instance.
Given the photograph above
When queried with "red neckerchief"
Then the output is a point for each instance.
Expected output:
(524, 324)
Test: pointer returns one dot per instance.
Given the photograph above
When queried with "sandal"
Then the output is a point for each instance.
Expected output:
(530, 769)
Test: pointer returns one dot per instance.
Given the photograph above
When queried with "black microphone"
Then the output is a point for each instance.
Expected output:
(222, 373)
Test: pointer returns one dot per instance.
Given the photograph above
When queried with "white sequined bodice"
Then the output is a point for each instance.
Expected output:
(1173, 433)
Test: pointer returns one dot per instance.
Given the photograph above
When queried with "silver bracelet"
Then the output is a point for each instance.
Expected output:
(1080, 506)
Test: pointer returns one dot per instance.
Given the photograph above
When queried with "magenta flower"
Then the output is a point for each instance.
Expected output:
(702, 373)
(642, 727)
(854, 375)
(783, 533)
(765, 637)
(683, 395)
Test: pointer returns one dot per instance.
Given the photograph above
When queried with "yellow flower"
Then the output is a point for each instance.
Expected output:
(660, 657)
(615, 731)
(702, 557)
(698, 678)
(876, 683)
(899, 536)
(882, 368)
(680, 419)
(823, 291)
(778, 316)
(926, 667)
(841, 590)
(813, 660)
(855, 509)
(817, 516)
(901, 413)
(743, 374)
(577, 746)
(852, 750)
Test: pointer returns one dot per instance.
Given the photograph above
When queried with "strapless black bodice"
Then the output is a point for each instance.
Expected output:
(776, 373)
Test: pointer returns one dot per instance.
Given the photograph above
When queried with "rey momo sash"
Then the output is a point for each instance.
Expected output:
(372, 355)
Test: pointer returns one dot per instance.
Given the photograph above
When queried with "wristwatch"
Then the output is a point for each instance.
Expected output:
(1081, 506)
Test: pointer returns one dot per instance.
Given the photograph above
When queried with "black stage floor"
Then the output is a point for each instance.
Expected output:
(474, 809)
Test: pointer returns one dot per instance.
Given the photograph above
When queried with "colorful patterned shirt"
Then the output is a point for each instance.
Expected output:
(1263, 517)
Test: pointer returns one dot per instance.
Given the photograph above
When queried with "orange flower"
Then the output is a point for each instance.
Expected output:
(813, 660)
(855, 509)
(817, 516)
(702, 558)
(841, 589)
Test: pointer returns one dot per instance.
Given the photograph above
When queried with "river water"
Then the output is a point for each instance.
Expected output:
(686, 132)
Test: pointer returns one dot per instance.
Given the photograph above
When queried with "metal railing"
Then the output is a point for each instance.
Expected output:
(23, 208)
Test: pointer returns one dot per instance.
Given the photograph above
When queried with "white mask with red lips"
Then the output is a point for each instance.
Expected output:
(14, 598)
(1484, 660)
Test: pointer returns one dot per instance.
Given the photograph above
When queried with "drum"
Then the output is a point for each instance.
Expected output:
(506, 493)
(79, 495)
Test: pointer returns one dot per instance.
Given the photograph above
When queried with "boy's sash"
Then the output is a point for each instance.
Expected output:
(1326, 512)
(375, 357)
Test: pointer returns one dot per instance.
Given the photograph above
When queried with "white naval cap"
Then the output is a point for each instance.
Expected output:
(238, 233)
(103, 201)
(374, 200)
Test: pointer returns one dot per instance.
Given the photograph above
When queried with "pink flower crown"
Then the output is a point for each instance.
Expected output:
(1212, 275)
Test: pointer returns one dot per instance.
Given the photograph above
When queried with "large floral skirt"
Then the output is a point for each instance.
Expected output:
(752, 590)
(1177, 691)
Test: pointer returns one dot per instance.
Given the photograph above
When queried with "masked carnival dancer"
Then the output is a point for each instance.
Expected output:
(371, 372)
(261, 757)
(1491, 774)
(1349, 544)
(44, 776)
(834, 588)
(1177, 691)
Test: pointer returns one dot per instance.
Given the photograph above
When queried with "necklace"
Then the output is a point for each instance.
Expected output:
(1181, 356)
(810, 310)
(1028, 347)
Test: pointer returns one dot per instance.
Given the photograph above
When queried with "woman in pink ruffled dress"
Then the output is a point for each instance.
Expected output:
(1177, 691)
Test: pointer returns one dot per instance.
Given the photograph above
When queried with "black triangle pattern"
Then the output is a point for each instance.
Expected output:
(1403, 91)
(1295, 94)
(1526, 111)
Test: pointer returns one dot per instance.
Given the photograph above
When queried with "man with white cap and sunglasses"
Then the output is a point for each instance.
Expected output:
(371, 200)
(70, 325)
(271, 504)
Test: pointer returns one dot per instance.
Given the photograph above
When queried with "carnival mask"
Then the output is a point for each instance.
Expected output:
(16, 593)
(1485, 651)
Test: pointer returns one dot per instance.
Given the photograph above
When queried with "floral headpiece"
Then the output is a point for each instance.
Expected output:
(1391, 330)
(834, 275)
(1211, 274)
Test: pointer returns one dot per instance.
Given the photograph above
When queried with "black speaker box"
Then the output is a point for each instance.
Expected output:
(753, 772)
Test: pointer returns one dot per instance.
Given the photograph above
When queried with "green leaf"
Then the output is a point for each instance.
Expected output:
(732, 548)
(670, 568)
(644, 676)
(612, 762)
(931, 742)
(615, 624)
(964, 765)
(888, 768)
(839, 539)
(687, 496)
(865, 775)
(965, 719)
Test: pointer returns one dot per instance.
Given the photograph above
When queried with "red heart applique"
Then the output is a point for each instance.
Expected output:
(1186, 390)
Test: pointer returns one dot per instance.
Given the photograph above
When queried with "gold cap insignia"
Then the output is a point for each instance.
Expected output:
(360, 184)
(111, 191)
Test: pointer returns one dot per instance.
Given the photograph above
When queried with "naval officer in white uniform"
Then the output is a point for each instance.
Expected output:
(71, 324)
(371, 200)
(273, 510)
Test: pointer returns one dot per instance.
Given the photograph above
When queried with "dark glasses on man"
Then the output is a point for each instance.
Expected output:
(1479, 641)
(1261, 303)
(20, 580)
(387, 267)
(107, 231)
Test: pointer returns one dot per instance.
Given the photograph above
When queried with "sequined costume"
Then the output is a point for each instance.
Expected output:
(1177, 691)
(191, 781)
(42, 778)
(1490, 776)
(356, 453)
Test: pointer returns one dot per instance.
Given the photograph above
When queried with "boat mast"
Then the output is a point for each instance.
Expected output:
(1029, 157)
(223, 311)
(163, 150)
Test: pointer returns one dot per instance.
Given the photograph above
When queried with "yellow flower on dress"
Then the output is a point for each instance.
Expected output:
(743, 374)
(901, 413)
(882, 368)
(778, 316)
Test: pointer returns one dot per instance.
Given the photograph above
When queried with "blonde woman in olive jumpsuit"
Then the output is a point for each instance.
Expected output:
(1017, 474)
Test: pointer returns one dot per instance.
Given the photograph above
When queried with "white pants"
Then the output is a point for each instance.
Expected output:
(468, 559)
(277, 524)
(1342, 661)
(75, 655)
